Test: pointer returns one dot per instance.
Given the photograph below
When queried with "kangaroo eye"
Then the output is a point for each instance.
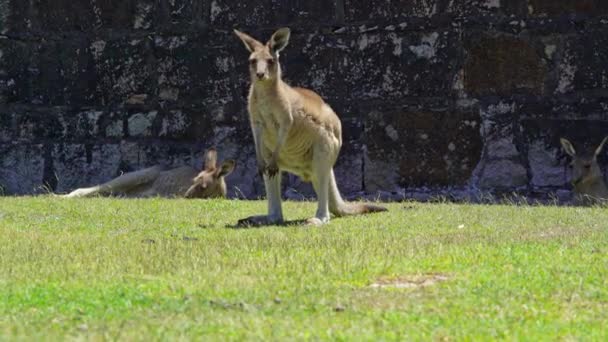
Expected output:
(251, 61)
(270, 61)
(587, 166)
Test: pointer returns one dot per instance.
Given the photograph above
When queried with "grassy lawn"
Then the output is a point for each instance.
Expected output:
(170, 269)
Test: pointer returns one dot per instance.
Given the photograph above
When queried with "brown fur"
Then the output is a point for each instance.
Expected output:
(587, 178)
(294, 130)
(183, 181)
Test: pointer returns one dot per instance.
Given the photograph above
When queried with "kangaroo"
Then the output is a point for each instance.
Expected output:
(183, 181)
(294, 130)
(587, 178)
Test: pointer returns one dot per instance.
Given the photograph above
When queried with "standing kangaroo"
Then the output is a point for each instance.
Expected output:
(293, 130)
(184, 181)
(587, 178)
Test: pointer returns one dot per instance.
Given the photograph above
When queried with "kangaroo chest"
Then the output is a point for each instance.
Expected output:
(296, 154)
(267, 112)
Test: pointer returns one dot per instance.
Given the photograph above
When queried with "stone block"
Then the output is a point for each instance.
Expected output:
(7, 127)
(399, 64)
(357, 10)
(498, 130)
(92, 15)
(185, 11)
(79, 165)
(473, 8)
(174, 124)
(503, 174)
(270, 13)
(192, 73)
(349, 167)
(15, 85)
(39, 124)
(141, 124)
(66, 15)
(550, 129)
(545, 166)
(420, 148)
(14, 16)
(111, 125)
(582, 66)
(21, 169)
(62, 73)
(244, 182)
(33, 124)
(554, 8)
(503, 65)
(122, 68)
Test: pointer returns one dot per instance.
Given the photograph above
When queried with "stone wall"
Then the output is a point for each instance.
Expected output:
(436, 96)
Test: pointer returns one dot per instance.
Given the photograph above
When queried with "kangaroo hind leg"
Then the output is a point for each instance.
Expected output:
(275, 211)
(119, 185)
(322, 171)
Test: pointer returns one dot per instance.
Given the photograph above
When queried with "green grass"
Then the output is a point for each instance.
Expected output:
(170, 269)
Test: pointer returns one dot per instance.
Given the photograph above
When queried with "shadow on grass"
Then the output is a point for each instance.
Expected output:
(247, 223)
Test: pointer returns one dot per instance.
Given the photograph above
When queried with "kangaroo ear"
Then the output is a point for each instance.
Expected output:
(279, 40)
(227, 168)
(598, 150)
(210, 159)
(568, 147)
(250, 43)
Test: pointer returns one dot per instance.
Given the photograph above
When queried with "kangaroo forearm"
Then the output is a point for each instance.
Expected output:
(284, 128)
(281, 139)
(257, 140)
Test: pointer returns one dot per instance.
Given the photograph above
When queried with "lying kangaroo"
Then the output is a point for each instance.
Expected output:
(294, 130)
(183, 181)
(587, 178)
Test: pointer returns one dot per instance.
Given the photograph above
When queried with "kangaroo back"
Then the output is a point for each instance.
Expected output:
(169, 183)
(123, 185)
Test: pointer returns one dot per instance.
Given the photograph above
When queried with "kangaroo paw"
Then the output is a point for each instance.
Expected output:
(272, 169)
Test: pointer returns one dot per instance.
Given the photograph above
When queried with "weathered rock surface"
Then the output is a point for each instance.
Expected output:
(437, 97)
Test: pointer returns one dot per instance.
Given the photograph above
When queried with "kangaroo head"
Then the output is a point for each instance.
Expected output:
(210, 182)
(264, 58)
(585, 169)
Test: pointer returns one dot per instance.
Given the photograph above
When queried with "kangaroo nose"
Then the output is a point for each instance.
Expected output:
(260, 75)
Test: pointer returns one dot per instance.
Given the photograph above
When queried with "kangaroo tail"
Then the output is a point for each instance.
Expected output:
(119, 184)
(339, 207)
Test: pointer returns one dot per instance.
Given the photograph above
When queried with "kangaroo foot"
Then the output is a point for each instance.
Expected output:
(83, 192)
(315, 221)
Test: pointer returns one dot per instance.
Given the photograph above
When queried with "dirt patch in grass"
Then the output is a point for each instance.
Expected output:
(554, 233)
(395, 292)
(409, 281)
